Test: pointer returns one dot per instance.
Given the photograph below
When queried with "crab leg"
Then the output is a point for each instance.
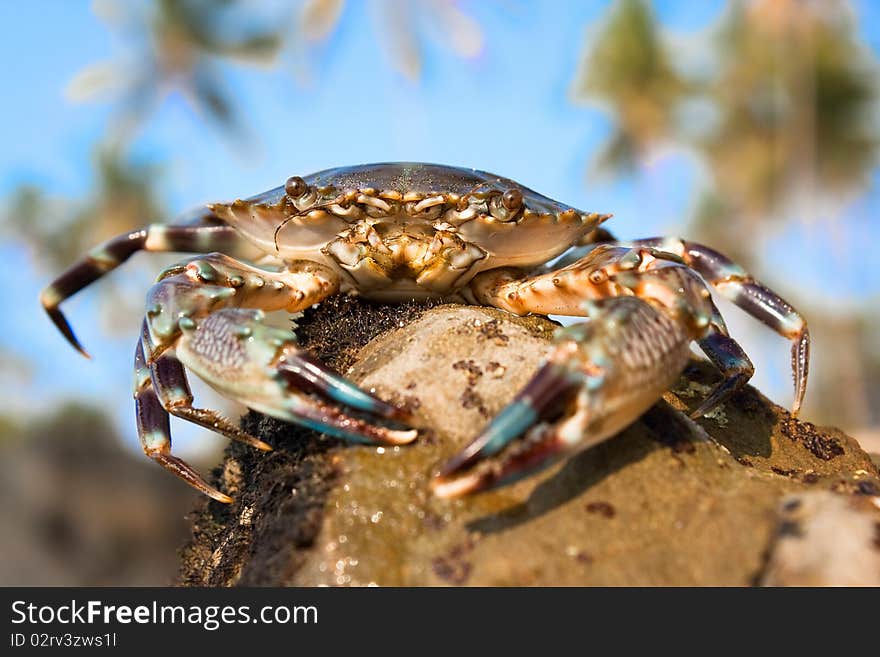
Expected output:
(207, 315)
(603, 271)
(154, 430)
(601, 376)
(200, 237)
(737, 285)
(644, 308)
(726, 354)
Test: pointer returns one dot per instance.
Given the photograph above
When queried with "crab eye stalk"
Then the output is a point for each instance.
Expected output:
(506, 206)
(295, 187)
(512, 200)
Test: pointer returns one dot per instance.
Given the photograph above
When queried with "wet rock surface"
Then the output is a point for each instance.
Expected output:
(666, 502)
(823, 539)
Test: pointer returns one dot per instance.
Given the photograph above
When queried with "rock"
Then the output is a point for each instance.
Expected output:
(824, 539)
(666, 502)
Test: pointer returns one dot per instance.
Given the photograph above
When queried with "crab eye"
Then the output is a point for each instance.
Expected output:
(506, 206)
(512, 200)
(295, 187)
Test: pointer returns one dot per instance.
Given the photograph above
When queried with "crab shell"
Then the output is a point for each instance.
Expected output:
(408, 228)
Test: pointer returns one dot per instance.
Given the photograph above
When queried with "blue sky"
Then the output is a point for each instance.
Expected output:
(509, 111)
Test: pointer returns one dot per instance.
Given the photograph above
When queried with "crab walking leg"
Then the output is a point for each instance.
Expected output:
(737, 285)
(602, 375)
(111, 254)
(154, 430)
(604, 271)
(210, 311)
(726, 354)
(611, 270)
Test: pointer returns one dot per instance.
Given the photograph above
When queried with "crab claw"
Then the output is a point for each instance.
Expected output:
(601, 376)
(263, 368)
(495, 456)
(307, 373)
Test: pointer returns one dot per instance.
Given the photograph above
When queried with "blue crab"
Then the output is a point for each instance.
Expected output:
(398, 231)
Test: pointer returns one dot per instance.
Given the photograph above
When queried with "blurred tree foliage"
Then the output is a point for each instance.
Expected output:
(167, 46)
(631, 69)
(849, 392)
(178, 45)
(184, 46)
(401, 26)
(789, 98)
(123, 197)
(795, 93)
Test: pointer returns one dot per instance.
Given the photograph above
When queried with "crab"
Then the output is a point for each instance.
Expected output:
(401, 231)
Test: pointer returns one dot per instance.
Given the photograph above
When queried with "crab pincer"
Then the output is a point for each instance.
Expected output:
(267, 370)
(262, 367)
(601, 375)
